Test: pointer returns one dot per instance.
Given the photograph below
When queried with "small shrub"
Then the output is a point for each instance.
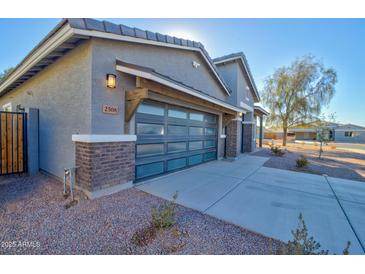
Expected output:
(302, 162)
(164, 215)
(277, 151)
(144, 236)
(346, 250)
(302, 244)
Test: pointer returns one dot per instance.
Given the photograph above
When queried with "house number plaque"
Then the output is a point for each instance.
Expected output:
(109, 109)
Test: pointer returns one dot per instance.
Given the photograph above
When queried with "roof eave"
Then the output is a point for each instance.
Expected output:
(60, 34)
(262, 110)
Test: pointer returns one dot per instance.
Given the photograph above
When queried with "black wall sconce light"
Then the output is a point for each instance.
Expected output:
(111, 80)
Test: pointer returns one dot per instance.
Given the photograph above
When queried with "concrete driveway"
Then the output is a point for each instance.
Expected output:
(268, 201)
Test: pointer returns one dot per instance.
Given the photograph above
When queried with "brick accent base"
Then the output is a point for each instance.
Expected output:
(105, 164)
(232, 139)
(247, 137)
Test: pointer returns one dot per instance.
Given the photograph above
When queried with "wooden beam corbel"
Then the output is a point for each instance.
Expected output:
(132, 100)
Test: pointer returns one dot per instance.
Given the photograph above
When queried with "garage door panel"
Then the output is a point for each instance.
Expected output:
(150, 129)
(178, 139)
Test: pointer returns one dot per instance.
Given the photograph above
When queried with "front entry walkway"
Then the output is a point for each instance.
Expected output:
(268, 201)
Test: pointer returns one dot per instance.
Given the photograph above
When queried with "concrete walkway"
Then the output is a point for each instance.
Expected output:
(268, 201)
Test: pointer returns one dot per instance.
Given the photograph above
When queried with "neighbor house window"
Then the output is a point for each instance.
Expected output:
(7, 107)
(349, 134)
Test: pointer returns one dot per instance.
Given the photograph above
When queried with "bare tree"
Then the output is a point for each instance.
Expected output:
(324, 131)
(5, 73)
(296, 94)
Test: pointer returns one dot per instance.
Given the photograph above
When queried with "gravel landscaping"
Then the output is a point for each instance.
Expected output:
(335, 162)
(34, 220)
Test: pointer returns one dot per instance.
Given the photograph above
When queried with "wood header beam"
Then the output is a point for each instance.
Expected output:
(170, 92)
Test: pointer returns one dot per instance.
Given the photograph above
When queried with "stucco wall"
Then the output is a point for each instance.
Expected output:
(244, 95)
(171, 62)
(61, 92)
(237, 79)
(229, 74)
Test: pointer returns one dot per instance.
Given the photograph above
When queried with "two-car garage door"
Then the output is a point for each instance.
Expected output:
(170, 138)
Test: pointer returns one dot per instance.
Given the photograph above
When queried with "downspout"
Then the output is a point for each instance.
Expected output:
(225, 142)
(242, 131)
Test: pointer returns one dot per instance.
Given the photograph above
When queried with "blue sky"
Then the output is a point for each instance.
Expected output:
(267, 43)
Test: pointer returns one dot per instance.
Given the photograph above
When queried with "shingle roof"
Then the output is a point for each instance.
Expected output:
(239, 55)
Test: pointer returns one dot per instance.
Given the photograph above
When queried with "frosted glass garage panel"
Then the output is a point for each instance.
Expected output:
(195, 145)
(150, 129)
(195, 159)
(196, 116)
(210, 156)
(151, 109)
(176, 113)
(177, 130)
(149, 169)
(209, 143)
(197, 131)
(209, 131)
(176, 147)
(210, 118)
(176, 164)
(149, 150)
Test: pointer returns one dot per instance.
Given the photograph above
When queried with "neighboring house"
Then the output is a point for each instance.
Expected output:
(308, 132)
(123, 104)
(349, 133)
(273, 133)
(340, 133)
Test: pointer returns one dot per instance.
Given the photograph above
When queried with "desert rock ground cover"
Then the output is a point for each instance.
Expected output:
(34, 220)
(334, 162)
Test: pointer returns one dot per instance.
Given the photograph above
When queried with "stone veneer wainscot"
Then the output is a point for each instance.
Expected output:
(104, 161)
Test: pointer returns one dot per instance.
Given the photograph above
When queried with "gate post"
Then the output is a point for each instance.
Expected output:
(32, 141)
